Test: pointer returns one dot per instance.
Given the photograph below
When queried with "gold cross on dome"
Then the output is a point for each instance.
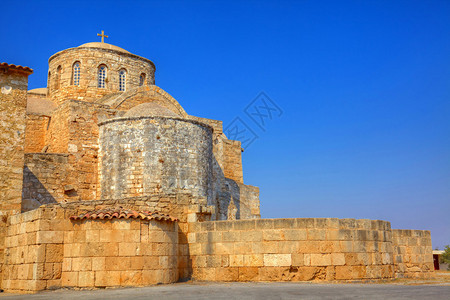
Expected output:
(103, 35)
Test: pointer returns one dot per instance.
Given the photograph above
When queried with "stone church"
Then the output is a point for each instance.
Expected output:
(105, 180)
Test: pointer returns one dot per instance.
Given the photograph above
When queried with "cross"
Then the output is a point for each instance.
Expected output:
(103, 36)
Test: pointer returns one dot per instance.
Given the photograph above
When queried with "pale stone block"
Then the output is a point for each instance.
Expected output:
(86, 279)
(320, 259)
(298, 259)
(307, 259)
(277, 260)
(132, 236)
(337, 259)
(98, 263)
(244, 225)
(317, 234)
(284, 223)
(257, 247)
(273, 235)
(81, 264)
(192, 217)
(270, 247)
(295, 234)
(191, 237)
(195, 249)
(69, 279)
(67, 264)
(92, 235)
(231, 236)
(224, 248)
(107, 278)
(128, 249)
(287, 246)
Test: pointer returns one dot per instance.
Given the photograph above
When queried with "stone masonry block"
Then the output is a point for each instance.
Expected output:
(49, 237)
(320, 259)
(277, 260)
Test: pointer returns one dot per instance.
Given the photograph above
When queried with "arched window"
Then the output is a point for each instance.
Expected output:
(142, 79)
(102, 76)
(58, 78)
(76, 73)
(122, 80)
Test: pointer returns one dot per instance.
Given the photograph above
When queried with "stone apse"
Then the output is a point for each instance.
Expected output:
(107, 181)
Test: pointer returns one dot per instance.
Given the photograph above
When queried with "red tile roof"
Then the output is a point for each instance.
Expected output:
(123, 214)
(16, 67)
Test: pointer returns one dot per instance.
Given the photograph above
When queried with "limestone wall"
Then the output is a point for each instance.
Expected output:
(73, 129)
(33, 251)
(142, 156)
(291, 250)
(90, 59)
(13, 102)
(120, 252)
(232, 161)
(45, 180)
(36, 128)
(413, 253)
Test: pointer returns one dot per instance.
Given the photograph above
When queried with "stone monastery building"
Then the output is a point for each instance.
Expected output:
(105, 180)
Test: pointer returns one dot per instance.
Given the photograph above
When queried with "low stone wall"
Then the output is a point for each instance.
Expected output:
(33, 251)
(120, 252)
(413, 253)
(291, 250)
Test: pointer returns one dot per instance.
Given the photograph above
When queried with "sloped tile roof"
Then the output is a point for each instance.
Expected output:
(17, 67)
(123, 214)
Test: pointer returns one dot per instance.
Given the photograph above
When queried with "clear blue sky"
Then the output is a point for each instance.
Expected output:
(364, 86)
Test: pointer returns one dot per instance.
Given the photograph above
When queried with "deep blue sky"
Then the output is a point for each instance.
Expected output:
(364, 86)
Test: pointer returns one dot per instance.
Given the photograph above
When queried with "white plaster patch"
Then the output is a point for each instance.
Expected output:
(6, 89)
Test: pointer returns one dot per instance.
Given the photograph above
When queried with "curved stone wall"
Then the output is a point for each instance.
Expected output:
(120, 252)
(154, 155)
(61, 87)
(291, 250)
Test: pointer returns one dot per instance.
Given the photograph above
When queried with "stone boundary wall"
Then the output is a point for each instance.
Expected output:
(291, 250)
(413, 253)
(33, 251)
(120, 252)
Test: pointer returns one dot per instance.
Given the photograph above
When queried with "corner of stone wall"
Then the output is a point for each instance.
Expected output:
(34, 250)
(413, 253)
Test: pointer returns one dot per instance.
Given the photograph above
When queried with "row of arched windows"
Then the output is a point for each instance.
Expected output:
(101, 77)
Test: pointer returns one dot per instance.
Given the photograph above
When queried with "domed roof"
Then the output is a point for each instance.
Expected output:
(40, 91)
(104, 46)
(149, 109)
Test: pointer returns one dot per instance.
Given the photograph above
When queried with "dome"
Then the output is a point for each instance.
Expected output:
(103, 46)
(40, 91)
(149, 109)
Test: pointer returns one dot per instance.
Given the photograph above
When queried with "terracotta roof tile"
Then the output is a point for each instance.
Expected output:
(123, 214)
(17, 67)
